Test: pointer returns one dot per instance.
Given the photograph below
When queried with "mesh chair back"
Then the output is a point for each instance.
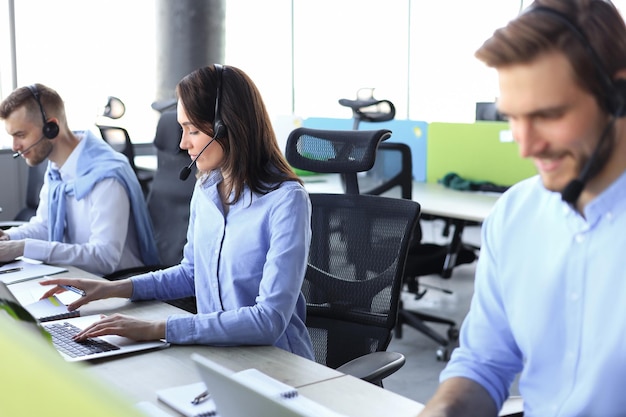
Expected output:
(354, 276)
(393, 168)
(335, 151)
(358, 248)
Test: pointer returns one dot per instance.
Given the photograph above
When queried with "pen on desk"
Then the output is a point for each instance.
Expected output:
(7, 271)
(74, 289)
(200, 398)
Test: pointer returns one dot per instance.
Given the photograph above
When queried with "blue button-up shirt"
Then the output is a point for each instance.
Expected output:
(549, 302)
(245, 267)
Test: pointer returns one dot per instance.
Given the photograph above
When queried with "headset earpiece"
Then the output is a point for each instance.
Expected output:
(219, 129)
(618, 99)
(50, 129)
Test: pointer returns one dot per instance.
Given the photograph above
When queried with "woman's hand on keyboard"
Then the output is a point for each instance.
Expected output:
(122, 325)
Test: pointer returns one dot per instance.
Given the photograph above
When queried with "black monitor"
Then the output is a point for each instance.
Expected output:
(488, 111)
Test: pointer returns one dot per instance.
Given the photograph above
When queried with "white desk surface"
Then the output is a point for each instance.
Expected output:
(139, 375)
(434, 199)
(147, 162)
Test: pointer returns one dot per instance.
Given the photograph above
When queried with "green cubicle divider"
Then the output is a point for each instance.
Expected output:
(481, 151)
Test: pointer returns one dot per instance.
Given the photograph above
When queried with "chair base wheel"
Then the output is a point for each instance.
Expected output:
(453, 334)
(443, 354)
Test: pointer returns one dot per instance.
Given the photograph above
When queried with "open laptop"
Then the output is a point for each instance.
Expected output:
(61, 332)
(252, 393)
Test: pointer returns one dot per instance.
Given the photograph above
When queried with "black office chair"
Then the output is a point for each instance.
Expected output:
(168, 203)
(120, 140)
(368, 108)
(33, 187)
(356, 261)
(393, 169)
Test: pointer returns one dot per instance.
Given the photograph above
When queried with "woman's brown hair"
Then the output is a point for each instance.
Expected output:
(251, 152)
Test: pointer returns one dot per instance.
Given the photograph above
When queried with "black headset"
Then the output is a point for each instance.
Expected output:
(50, 129)
(219, 128)
(614, 90)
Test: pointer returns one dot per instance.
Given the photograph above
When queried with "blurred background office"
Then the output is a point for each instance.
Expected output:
(303, 54)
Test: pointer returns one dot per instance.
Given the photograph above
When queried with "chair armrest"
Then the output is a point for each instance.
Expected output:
(129, 272)
(11, 223)
(512, 407)
(374, 367)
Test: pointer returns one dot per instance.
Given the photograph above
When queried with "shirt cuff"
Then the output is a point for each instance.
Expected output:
(14, 234)
(142, 289)
(36, 249)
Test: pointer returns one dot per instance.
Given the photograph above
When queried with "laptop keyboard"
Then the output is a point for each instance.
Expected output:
(62, 334)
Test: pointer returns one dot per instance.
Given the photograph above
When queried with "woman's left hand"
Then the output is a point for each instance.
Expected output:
(127, 326)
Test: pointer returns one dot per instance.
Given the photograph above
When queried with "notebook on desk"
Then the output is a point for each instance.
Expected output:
(61, 332)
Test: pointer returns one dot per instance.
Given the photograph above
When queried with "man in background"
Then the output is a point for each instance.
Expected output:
(91, 212)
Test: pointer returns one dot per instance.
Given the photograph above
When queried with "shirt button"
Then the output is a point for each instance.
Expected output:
(609, 216)
(574, 296)
(580, 238)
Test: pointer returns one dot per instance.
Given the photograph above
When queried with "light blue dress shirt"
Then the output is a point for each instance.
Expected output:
(549, 301)
(245, 267)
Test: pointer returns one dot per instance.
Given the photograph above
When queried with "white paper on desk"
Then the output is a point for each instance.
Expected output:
(30, 269)
(50, 308)
(31, 294)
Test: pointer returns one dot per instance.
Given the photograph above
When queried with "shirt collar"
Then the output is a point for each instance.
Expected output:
(611, 201)
(68, 170)
(211, 179)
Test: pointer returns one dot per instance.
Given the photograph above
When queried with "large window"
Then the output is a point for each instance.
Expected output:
(304, 55)
(86, 50)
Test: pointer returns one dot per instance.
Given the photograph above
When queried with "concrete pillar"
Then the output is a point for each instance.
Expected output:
(190, 34)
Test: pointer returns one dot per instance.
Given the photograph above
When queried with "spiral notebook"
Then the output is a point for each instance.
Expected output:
(180, 398)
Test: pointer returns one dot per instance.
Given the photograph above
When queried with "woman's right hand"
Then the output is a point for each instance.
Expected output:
(94, 289)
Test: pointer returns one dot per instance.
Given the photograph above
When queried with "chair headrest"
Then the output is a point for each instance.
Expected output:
(370, 109)
(164, 105)
(168, 132)
(114, 108)
(334, 151)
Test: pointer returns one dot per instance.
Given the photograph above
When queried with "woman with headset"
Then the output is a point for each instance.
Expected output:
(248, 236)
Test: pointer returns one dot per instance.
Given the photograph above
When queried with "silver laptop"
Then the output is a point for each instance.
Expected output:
(61, 332)
(252, 393)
